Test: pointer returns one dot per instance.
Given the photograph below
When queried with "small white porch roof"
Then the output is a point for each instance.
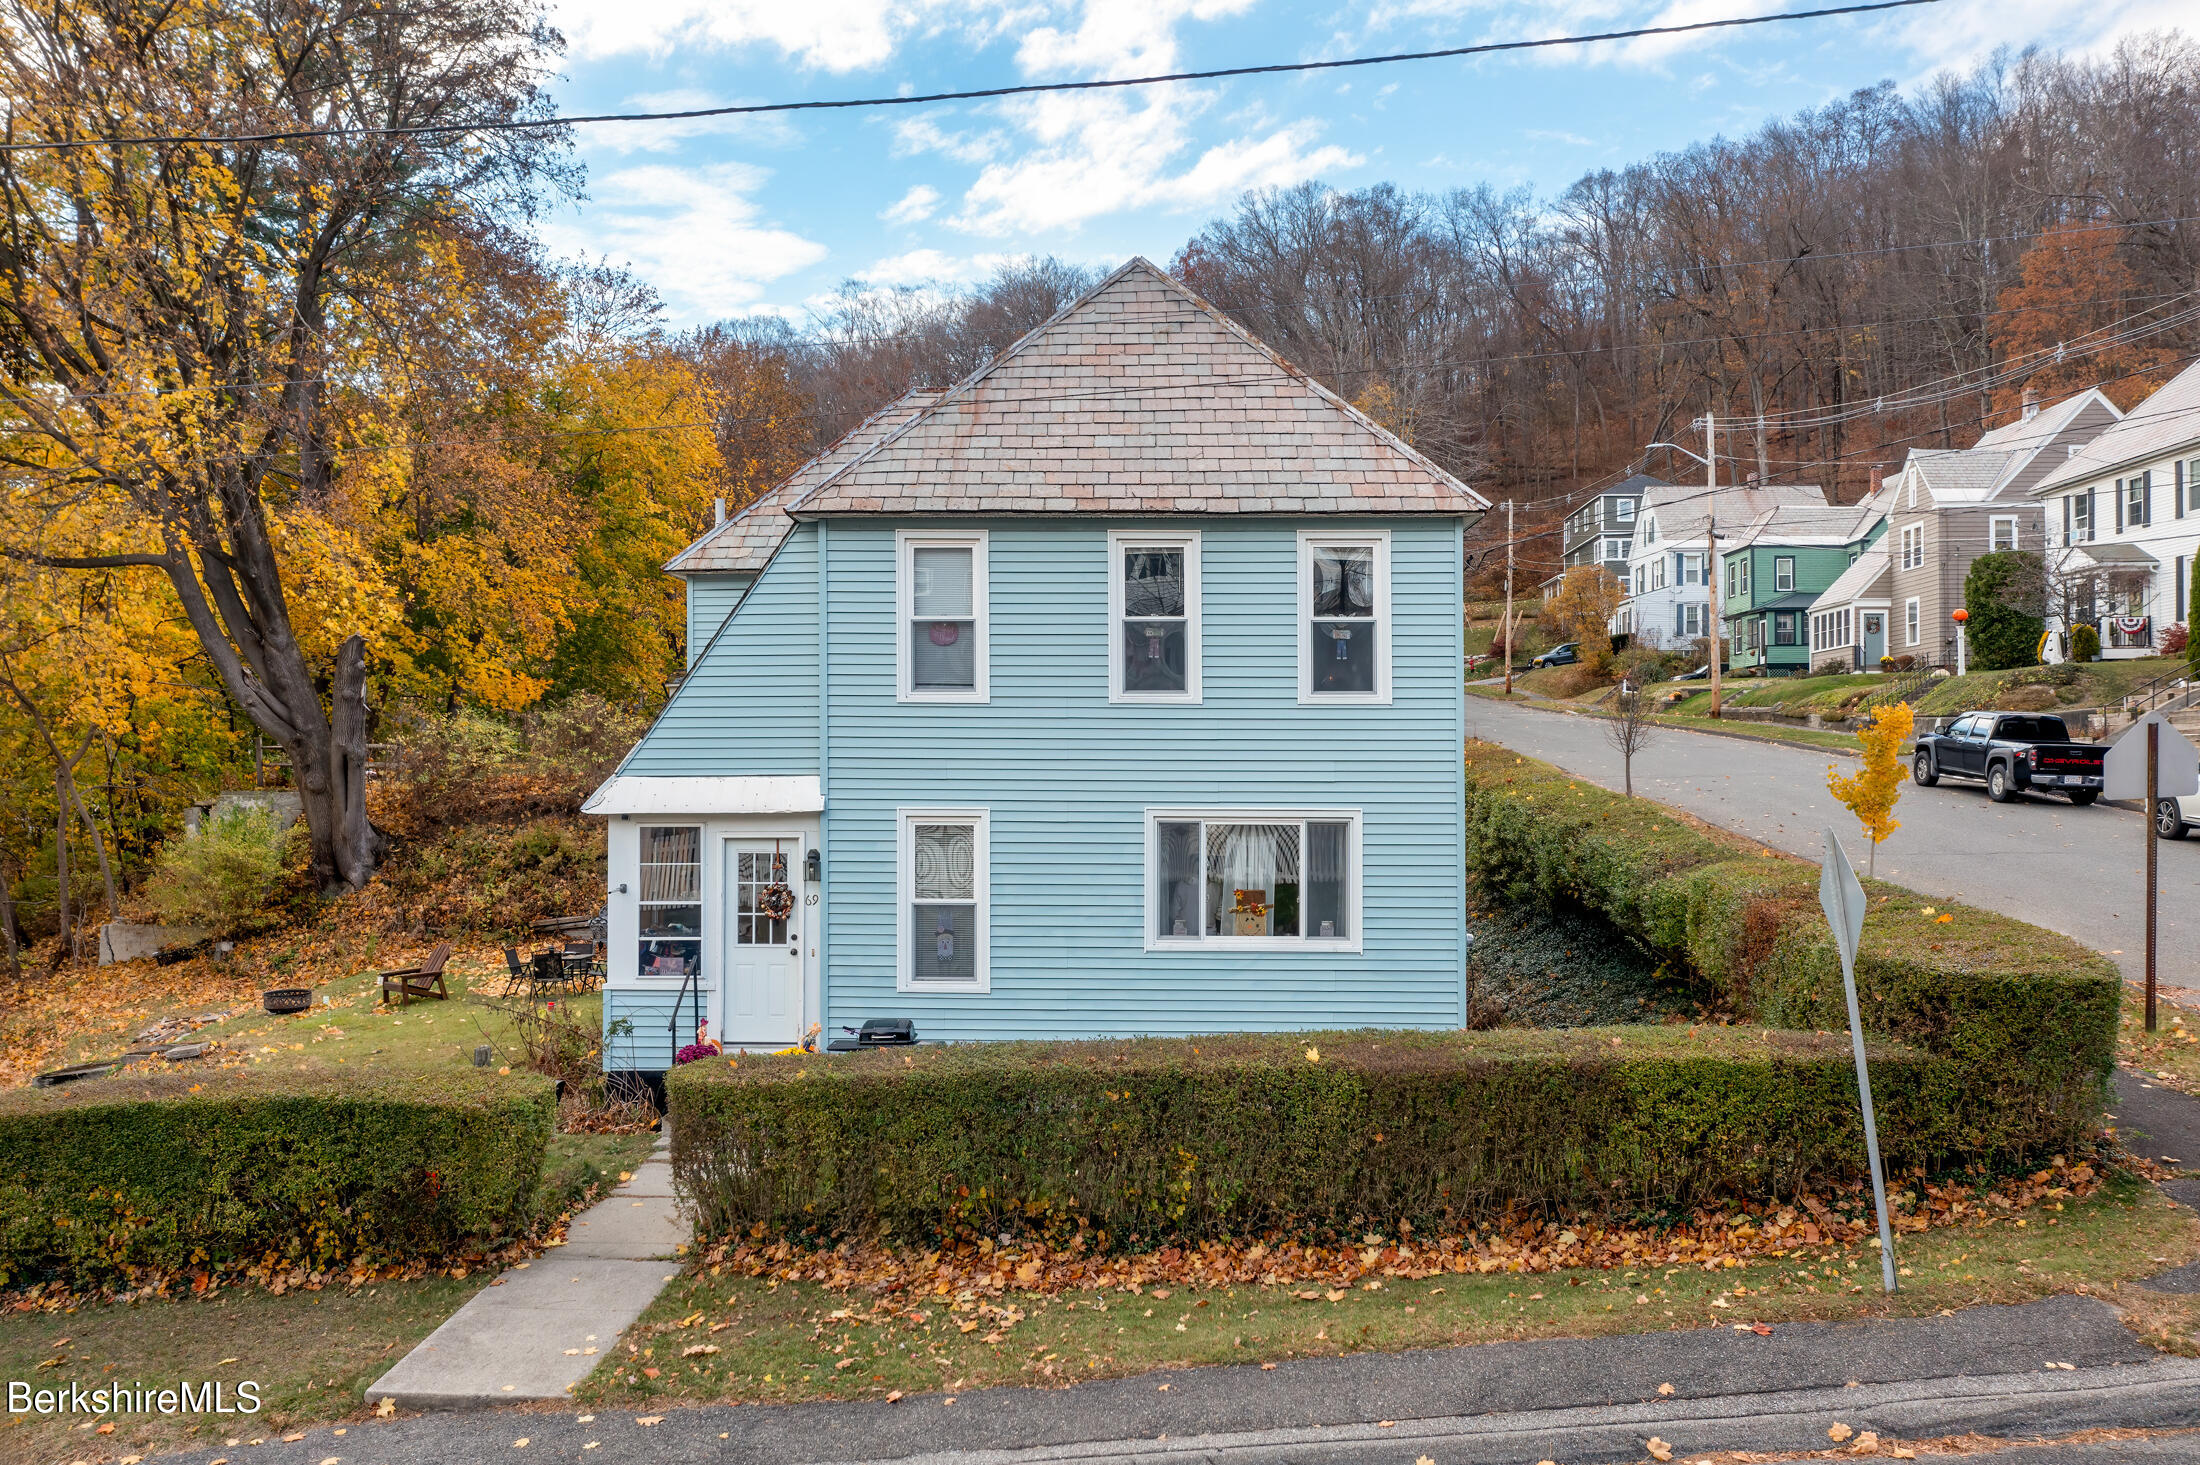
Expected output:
(1864, 580)
(732, 794)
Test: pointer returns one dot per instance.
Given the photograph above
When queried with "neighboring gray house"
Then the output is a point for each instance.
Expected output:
(1947, 507)
(1667, 602)
(1601, 530)
(720, 566)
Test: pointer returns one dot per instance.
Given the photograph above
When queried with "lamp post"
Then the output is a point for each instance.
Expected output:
(1959, 615)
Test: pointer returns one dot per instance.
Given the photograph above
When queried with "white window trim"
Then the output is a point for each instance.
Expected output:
(1355, 883)
(1993, 532)
(1778, 561)
(1913, 624)
(1302, 568)
(906, 542)
(1186, 540)
(905, 874)
(1902, 559)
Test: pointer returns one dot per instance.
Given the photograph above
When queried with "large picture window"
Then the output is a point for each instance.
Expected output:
(670, 901)
(1344, 618)
(1278, 880)
(1153, 608)
(945, 927)
(940, 591)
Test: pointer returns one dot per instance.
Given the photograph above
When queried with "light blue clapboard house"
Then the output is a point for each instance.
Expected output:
(1115, 690)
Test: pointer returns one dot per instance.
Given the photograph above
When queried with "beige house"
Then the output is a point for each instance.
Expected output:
(1947, 507)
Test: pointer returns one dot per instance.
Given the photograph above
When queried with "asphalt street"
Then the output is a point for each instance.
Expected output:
(1571, 1399)
(2041, 859)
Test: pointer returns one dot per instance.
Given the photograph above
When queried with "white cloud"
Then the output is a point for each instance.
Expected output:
(915, 206)
(1573, 138)
(770, 129)
(694, 233)
(931, 266)
(1102, 153)
(827, 35)
(924, 135)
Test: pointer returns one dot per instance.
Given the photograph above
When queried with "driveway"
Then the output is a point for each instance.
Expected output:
(2077, 871)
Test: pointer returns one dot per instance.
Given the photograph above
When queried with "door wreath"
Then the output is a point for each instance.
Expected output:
(776, 900)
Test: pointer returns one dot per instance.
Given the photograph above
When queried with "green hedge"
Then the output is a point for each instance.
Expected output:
(175, 1170)
(1185, 1139)
(2021, 1022)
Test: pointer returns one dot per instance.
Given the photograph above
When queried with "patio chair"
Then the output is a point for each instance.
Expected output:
(579, 961)
(422, 981)
(516, 972)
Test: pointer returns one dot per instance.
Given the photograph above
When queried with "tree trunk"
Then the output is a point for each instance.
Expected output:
(61, 862)
(328, 759)
(7, 926)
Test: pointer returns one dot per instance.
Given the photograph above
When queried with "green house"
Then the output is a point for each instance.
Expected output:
(1770, 572)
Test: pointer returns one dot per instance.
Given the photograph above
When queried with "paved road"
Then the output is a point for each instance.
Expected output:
(2040, 859)
(1571, 1399)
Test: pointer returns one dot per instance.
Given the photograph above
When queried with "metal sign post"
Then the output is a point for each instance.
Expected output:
(1843, 900)
(2152, 761)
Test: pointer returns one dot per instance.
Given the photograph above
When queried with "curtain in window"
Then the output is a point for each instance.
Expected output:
(943, 637)
(1262, 861)
(943, 915)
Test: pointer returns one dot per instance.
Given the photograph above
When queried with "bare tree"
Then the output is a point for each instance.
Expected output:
(1630, 728)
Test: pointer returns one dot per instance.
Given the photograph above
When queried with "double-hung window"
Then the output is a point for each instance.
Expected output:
(669, 901)
(1783, 628)
(1911, 629)
(1344, 617)
(1281, 880)
(940, 595)
(2078, 516)
(1783, 573)
(1624, 510)
(1913, 546)
(1153, 606)
(945, 925)
(2135, 509)
(2001, 533)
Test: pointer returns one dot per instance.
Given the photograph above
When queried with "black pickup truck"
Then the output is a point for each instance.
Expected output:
(2012, 751)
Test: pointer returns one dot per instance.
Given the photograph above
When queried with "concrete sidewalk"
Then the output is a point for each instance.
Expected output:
(542, 1327)
(1570, 1399)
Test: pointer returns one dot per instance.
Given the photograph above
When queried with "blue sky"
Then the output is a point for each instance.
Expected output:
(768, 215)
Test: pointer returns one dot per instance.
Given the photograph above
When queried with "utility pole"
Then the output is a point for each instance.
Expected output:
(1509, 600)
(1712, 584)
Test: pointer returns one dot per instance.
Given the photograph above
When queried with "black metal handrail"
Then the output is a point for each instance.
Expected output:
(2149, 695)
(672, 1029)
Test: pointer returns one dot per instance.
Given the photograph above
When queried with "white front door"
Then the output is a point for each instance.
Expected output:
(763, 990)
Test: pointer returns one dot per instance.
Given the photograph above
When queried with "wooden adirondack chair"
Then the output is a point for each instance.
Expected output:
(422, 981)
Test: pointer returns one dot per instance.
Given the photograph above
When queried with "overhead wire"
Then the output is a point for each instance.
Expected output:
(752, 109)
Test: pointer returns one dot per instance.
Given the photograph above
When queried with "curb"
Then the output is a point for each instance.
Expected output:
(2159, 1395)
(1709, 732)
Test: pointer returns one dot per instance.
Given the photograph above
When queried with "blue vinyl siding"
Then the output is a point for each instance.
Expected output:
(649, 1046)
(1068, 777)
(750, 705)
(709, 598)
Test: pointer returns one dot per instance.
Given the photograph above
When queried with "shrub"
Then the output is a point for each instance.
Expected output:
(2085, 643)
(2021, 1022)
(1327, 1133)
(221, 879)
(111, 1177)
(471, 766)
(2175, 639)
(2001, 592)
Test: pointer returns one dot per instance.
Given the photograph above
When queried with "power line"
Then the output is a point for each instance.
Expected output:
(534, 124)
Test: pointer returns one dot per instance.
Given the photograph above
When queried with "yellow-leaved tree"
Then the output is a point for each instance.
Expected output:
(1871, 792)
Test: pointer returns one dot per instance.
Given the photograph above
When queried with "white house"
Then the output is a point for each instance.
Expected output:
(2123, 525)
(1667, 601)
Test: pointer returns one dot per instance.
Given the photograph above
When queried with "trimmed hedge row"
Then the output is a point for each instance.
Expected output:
(1185, 1139)
(170, 1171)
(2020, 1022)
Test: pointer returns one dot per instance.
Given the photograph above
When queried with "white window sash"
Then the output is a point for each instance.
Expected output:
(905, 887)
(1186, 541)
(1355, 880)
(1303, 566)
(906, 543)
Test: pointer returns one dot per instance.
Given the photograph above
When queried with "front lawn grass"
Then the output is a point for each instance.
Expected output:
(2170, 1055)
(2084, 684)
(780, 1342)
(312, 1353)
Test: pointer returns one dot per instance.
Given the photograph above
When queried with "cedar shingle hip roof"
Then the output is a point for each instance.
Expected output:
(745, 542)
(1139, 398)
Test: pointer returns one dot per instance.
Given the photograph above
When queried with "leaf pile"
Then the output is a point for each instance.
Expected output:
(1709, 1239)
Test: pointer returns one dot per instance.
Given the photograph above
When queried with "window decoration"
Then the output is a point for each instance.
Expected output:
(941, 638)
(944, 898)
(1153, 597)
(1344, 605)
(669, 882)
(1278, 880)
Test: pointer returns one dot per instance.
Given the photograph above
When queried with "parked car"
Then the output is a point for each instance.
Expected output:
(2176, 818)
(2011, 752)
(1565, 655)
